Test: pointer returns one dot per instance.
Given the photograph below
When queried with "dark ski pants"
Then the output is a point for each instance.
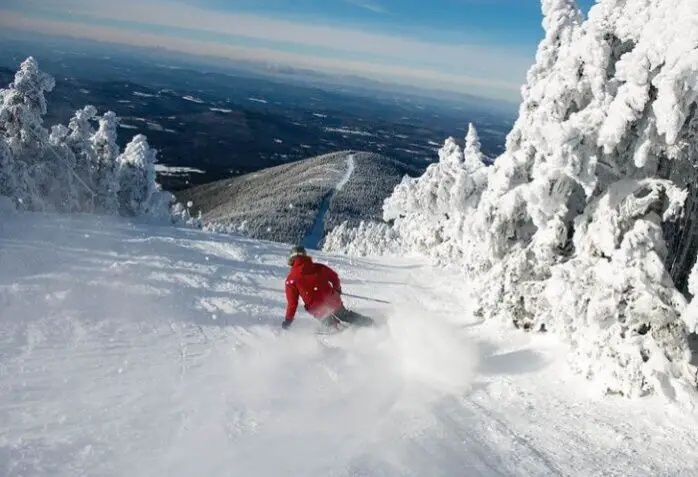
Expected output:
(347, 316)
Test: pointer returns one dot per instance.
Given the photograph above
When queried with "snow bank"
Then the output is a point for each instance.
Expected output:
(586, 224)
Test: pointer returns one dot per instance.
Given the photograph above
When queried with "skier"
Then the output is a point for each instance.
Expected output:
(320, 288)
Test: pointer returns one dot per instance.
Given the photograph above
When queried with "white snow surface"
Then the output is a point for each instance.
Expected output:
(355, 132)
(177, 170)
(139, 350)
(193, 99)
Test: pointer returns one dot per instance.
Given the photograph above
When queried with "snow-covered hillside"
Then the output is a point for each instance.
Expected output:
(138, 350)
(587, 224)
(283, 203)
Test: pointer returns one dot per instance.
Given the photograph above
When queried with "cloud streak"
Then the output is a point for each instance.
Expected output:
(489, 71)
(374, 7)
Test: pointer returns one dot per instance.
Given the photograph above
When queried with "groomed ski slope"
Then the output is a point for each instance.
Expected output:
(135, 350)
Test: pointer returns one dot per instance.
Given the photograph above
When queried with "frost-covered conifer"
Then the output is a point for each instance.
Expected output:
(472, 155)
(63, 191)
(139, 193)
(79, 141)
(368, 238)
(135, 164)
(22, 106)
(597, 142)
(106, 152)
(15, 183)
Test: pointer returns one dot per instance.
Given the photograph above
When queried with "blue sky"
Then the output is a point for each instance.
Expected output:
(473, 46)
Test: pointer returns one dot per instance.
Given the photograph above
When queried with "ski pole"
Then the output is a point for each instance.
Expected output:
(365, 298)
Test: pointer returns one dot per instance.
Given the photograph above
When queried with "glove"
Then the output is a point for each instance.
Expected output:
(286, 324)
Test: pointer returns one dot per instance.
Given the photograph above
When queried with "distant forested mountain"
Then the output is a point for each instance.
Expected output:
(282, 203)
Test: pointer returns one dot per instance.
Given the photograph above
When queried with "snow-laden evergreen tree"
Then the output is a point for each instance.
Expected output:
(139, 193)
(429, 212)
(22, 107)
(473, 157)
(587, 223)
(15, 184)
(585, 253)
(79, 141)
(368, 238)
(106, 172)
(63, 191)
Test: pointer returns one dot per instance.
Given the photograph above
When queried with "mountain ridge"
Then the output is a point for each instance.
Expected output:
(282, 203)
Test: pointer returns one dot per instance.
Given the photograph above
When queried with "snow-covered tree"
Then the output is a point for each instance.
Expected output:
(106, 152)
(587, 223)
(135, 166)
(22, 107)
(472, 155)
(62, 191)
(429, 212)
(587, 162)
(15, 183)
(139, 193)
(79, 141)
(368, 238)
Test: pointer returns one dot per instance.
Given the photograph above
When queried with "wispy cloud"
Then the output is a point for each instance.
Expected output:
(374, 7)
(478, 69)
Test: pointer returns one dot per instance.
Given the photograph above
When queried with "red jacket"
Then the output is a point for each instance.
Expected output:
(317, 284)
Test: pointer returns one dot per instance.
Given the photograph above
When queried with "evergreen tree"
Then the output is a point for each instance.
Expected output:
(22, 106)
(473, 158)
(62, 191)
(106, 152)
(139, 192)
(79, 141)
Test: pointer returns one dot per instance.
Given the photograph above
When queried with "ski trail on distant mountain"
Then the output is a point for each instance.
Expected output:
(313, 238)
(347, 175)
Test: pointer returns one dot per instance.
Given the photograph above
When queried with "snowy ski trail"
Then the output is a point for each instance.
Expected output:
(314, 236)
(347, 175)
(146, 351)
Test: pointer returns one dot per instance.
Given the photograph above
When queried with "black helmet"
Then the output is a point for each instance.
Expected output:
(296, 252)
